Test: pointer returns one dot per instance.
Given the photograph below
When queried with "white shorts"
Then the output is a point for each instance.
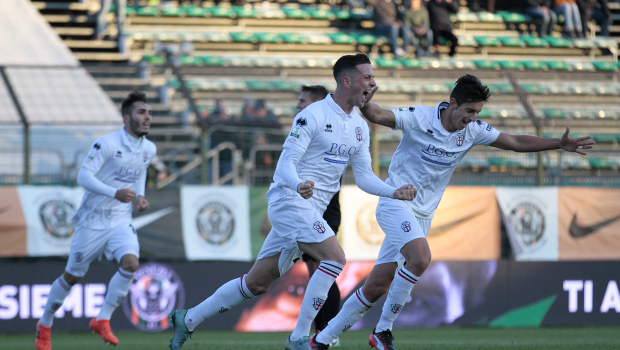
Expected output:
(293, 220)
(89, 245)
(401, 226)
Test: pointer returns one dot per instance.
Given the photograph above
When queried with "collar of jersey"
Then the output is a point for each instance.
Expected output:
(436, 120)
(125, 139)
(336, 108)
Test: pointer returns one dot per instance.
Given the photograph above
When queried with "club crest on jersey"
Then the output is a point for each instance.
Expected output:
(406, 226)
(396, 308)
(319, 227)
(318, 303)
(358, 133)
(145, 157)
(459, 140)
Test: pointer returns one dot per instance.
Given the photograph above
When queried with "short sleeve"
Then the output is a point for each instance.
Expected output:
(486, 133)
(303, 129)
(404, 118)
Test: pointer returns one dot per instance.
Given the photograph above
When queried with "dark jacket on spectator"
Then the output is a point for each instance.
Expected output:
(589, 5)
(385, 12)
(439, 13)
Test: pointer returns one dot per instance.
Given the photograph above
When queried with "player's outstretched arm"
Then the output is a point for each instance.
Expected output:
(143, 204)
(376, 114)
(526, 143)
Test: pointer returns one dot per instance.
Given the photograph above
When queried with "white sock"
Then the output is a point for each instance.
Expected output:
(117, 291)
(59, 291)
(352, 311)
(315, 296)
(225, 298)
(400, 290)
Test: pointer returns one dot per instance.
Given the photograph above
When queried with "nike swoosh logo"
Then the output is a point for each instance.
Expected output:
(144, 220)
(581, 231)
(436, 231)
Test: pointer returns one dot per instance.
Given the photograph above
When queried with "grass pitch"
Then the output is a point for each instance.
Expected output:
(442, 338)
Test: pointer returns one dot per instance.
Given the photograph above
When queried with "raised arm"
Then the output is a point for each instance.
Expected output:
(526, 143)
(376, 114)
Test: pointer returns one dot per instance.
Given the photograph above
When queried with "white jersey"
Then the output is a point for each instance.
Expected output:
(329, 139)
(428, 154)
(114, 162)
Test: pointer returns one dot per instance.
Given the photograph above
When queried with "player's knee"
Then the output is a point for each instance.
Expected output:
(375, 290)
(130, 265)
(258, 288)
(419, 264)
(70, 279)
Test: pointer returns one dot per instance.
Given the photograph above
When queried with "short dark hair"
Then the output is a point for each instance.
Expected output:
(317, 92)
(135, 96)
(469, 89)
(347, 63)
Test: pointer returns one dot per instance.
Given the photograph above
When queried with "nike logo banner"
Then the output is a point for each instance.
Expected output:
(589, 223)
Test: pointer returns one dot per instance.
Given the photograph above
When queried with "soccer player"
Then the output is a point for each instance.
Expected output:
(113, 174)
(434, 141)
(307, 96)
(326, 136)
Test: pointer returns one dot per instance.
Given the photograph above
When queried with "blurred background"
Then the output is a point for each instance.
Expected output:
(516, 234)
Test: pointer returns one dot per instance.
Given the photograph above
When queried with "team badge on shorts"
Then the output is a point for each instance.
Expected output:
(459, 140)
(396, 308)
(155, 292)
(358, 133)
(406, 226)
(319, 227)
(79, 257)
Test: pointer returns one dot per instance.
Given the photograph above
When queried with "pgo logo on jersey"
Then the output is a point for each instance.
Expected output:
(406, 226)
(318, 303)
(459, 140)
(215, 223)
(56, 218)
(319, 227)
(358, 133)
(156, 291)
(396, 308)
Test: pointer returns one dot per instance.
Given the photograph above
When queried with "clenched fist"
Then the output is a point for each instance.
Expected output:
(305, 189)
(125, 195)
(406, 192)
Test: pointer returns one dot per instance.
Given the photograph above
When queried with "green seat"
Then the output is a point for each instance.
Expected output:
(462, 64)
(512, 17)
(487, 113)
(511, 41)
(292, 38)
(582, 66)
(156, 60)
(212, 60)
(533, 88)
(600, 163)
(365, 39)
(147, 11)
(295, 13)
(413, 63)
(557, 65)
(341, 38)
(285, 85)
(436, 88)
(558, 41)
(321, 14)
(489, 17)
(498, 161)
(190, 60)
(270, 13)
(605, 43)
(554, 113)
(584, 43)
(388, 62)
(243, 37)
(173, 11)
(486, 64)
(342, 14)
(318, 39)
(510, 64)
(467, 40)
(259, 85)
(604, 138)
(558, 89)
(439, 64)
(605, 66)
(267, 37)
(217, 37)
(536, 65)
(533, 41)
(244, 12)
(487, 40)
(462, 16)
(129, 11)
(195, 11)
(361, 14)
(501, 88)
(219, 11)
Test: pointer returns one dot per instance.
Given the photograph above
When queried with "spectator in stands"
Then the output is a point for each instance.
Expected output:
(441, 25)
(572, 18)
(255, 112)
(102, 22)
(309, 95)
(218, 114)
(541, 13)
(416, 18)
(388, 23)
(601, 14)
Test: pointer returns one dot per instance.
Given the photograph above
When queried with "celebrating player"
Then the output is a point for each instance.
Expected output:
(434, 141)
(113, 174)
(326, 136)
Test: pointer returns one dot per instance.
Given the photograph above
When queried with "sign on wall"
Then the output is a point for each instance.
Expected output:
(216, 222)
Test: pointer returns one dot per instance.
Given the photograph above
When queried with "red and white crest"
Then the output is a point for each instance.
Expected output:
(358, 134)
(459, 140)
